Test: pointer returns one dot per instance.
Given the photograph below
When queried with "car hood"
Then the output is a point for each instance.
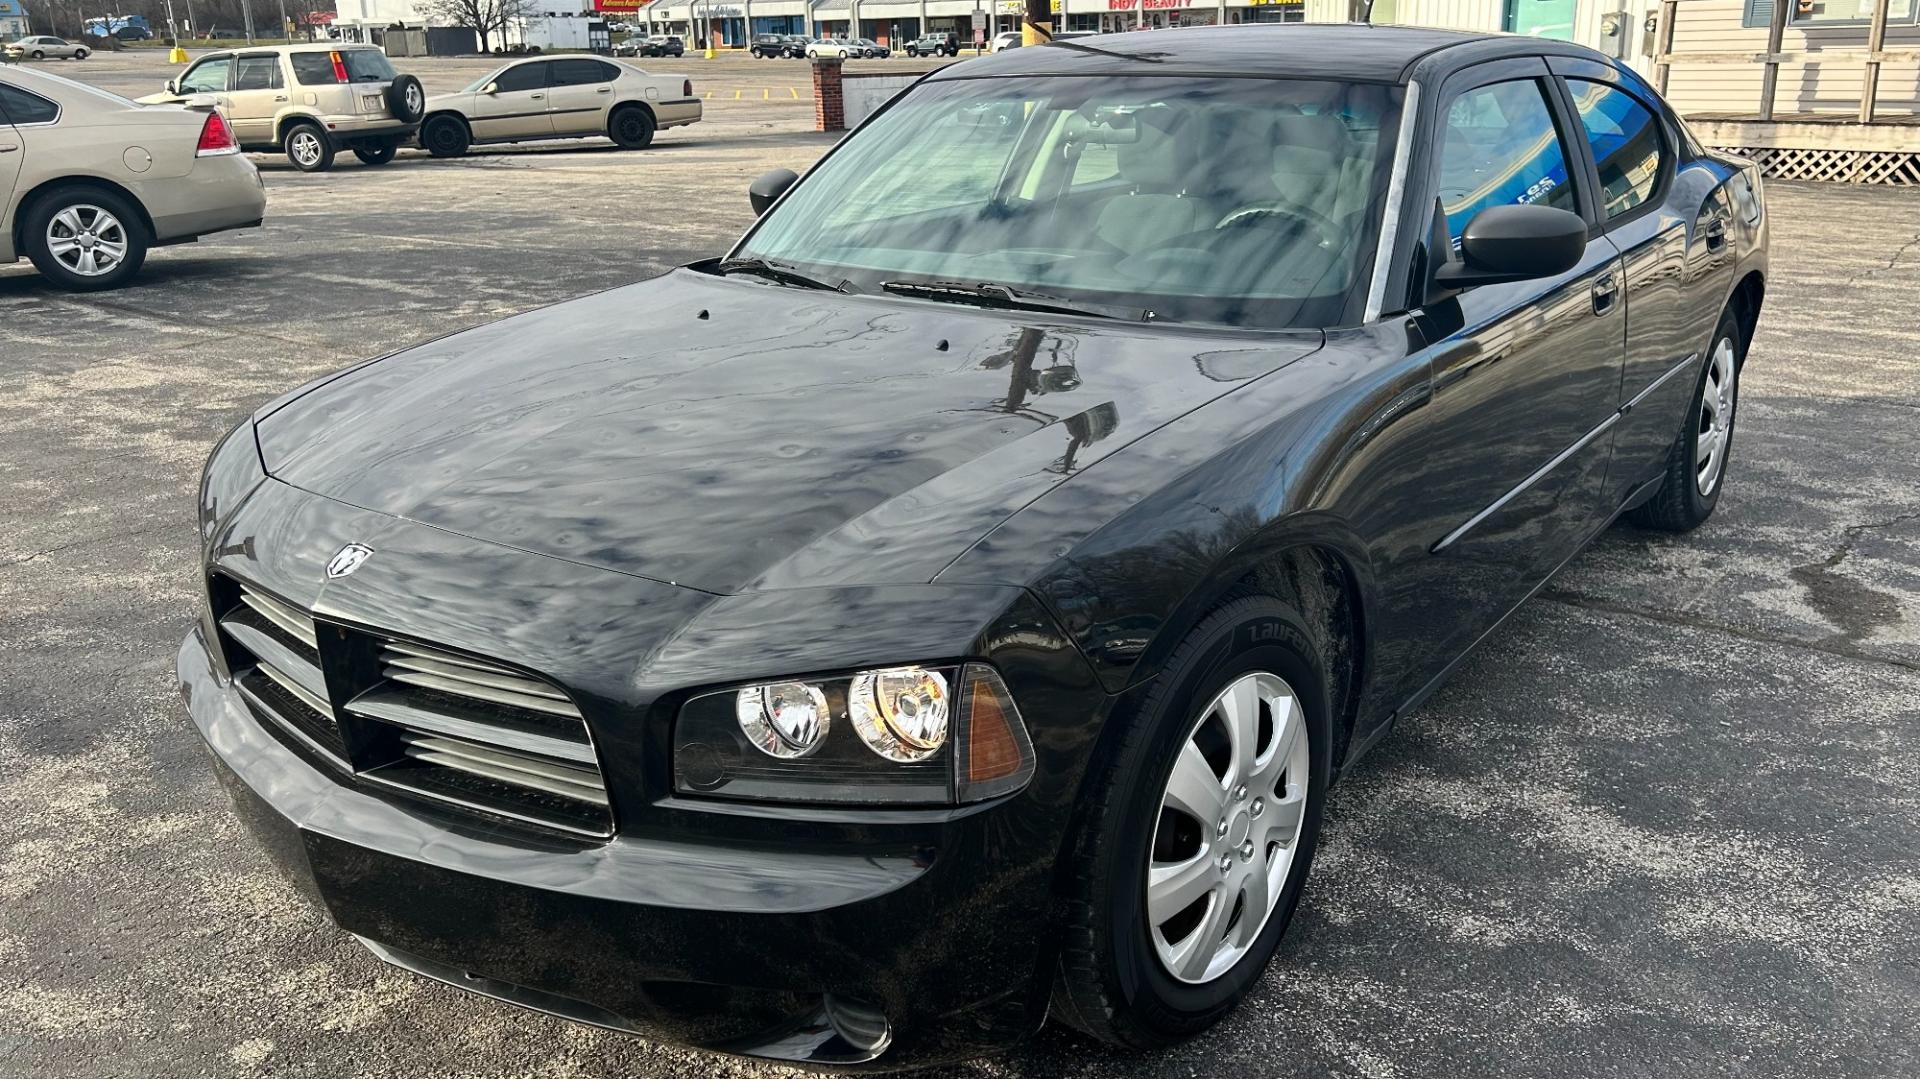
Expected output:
(733, 434)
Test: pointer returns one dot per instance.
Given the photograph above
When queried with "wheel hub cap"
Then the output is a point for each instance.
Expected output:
(1229, 824)
(1715, 417)
(87, 240)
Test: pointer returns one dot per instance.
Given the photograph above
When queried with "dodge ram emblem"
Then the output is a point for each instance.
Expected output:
(348, 559)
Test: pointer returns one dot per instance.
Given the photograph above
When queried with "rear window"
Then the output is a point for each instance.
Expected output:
(21, 107)
(363, 65)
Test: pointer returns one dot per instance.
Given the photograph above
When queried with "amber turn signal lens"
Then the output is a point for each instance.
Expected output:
(999, 756)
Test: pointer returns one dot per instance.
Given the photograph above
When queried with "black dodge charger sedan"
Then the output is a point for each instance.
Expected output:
(951, 607)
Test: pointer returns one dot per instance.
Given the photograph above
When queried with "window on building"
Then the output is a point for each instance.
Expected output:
(1626, 143)
(1829, 12)
(1501, 148)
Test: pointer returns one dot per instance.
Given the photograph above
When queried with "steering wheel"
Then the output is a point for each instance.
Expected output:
(1325, 229)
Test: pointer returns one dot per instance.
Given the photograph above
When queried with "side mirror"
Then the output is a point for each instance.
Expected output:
(768, 188)
(173, 85)
(490, 89)
(1513, 243)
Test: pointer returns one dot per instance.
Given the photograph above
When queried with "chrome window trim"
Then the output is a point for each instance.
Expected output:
(1396, 195)
(59, 110)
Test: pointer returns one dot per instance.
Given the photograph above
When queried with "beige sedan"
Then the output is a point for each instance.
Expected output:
(46, 47)
(89, 180)
(558, 98)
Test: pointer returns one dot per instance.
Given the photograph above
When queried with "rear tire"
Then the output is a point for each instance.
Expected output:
(71, 219)
(445, 136)
(308, 147)
(1681, 504)
(1115, 980)
(81, 55)
(631, 127)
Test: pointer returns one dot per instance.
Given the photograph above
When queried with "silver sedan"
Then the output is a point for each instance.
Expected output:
(46, 47)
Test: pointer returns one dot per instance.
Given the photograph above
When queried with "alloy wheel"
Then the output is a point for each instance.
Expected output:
(305, 148)
(1715, 417)
(87, 240)
(416, 100)
(1229, 825)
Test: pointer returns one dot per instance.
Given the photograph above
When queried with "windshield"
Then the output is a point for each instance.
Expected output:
(1228, 201)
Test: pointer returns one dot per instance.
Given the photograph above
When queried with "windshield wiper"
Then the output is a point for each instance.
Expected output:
(774, 271)
(989, 294)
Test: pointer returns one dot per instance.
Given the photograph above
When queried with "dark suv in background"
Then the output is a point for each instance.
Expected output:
(783, 46)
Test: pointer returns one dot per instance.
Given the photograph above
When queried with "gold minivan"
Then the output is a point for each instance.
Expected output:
(308, 101)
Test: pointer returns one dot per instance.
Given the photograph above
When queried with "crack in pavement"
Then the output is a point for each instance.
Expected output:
(35, 556)
(1856, 608)
(1828, 646)
(1898, 253)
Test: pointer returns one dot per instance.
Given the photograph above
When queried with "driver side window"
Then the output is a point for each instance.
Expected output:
(524, 77)
(1501, 148)
(207, 77)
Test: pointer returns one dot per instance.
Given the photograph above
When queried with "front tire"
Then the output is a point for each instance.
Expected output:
(1197, 832)
(308, 148)
(85, 239)
(445, 136)
(1697, 463)
(81, 55)
(375, 155)
(632, 128)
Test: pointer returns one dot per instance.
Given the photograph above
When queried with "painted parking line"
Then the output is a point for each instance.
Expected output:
(794, 92)
(765, 93)
(736, 95)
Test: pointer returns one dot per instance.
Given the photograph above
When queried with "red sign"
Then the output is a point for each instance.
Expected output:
(630, 7)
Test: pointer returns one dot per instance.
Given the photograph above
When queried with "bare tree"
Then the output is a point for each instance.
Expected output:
(484, 17)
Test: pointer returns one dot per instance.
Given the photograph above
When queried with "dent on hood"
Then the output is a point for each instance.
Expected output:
(735, 435)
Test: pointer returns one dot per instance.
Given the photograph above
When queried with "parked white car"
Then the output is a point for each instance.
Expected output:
(46, 47)
(560, 97)
(831, 47)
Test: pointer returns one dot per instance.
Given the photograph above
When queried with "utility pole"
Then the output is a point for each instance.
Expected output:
(285, 33)
(246, 15)
(1037, 27)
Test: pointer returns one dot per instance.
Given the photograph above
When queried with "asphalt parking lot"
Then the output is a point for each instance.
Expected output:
(1666, 822)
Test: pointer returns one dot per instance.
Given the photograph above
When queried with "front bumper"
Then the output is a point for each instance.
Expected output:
(901, 943)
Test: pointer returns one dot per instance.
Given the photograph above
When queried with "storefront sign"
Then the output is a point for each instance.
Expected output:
(623, 6)
(1152, 5)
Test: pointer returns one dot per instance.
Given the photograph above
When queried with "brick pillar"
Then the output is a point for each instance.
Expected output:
(829, 112)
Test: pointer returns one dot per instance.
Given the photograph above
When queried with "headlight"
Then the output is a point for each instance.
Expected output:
(900, 713)
(896, 735)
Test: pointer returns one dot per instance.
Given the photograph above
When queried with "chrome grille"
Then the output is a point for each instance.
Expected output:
(431, 668)
(435, 723)
(486, 736)
(273, 651)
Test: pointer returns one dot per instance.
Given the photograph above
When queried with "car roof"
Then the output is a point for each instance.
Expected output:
(1346, 51)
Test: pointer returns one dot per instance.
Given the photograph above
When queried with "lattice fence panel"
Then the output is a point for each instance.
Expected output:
(1836, 166)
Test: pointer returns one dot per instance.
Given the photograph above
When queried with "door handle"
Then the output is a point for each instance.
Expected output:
(8, 147)
(1606, 293)
(535, 97)
(603, 90)
(281, 97)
